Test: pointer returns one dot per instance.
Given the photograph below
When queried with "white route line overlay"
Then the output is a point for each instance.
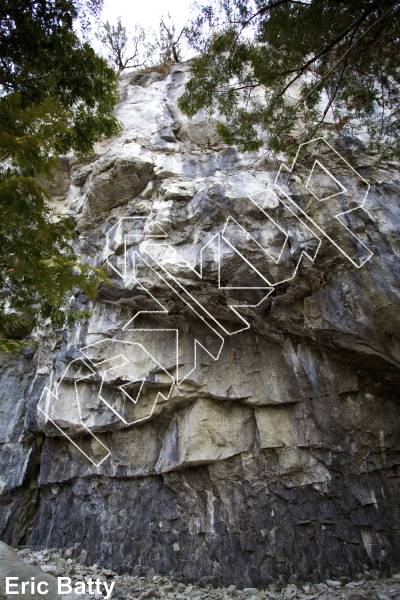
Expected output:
(48, 393)
(117, 366)
(269, 289)
(197, 343)
(284, 167)
(88, 363)
(162, 234)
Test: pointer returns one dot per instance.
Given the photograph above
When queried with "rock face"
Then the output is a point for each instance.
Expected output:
(229, 410)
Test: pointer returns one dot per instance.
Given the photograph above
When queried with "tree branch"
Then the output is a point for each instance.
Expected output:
(270, 7)
(354, 25)
(348, 50)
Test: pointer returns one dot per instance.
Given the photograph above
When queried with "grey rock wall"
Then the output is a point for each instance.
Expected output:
(256, 453)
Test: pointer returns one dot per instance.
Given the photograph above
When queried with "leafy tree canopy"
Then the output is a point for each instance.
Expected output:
(277, 69)
(56, 96)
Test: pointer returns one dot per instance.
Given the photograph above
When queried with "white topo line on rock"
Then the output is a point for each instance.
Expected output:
(219, 330)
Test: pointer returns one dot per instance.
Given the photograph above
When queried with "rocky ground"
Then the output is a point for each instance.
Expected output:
(369, 585)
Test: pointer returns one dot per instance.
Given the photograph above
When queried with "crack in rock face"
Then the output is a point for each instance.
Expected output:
(228, 412)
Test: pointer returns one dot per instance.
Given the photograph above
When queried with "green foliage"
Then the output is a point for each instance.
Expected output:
(275, 69)
(56, 96)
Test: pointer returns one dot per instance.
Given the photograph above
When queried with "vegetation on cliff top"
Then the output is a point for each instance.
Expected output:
(56, 96)
(278, 69)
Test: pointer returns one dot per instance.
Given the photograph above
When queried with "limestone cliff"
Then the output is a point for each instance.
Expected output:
(230, 409)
